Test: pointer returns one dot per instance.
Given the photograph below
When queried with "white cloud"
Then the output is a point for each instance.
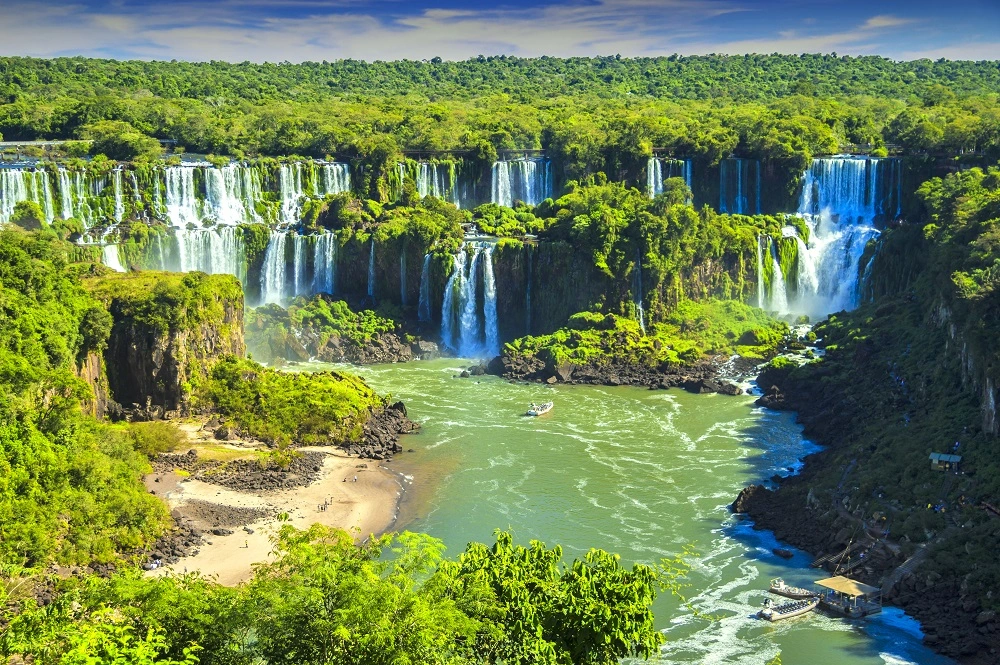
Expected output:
(256, 30)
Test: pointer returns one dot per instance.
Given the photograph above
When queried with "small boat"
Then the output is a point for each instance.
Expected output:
(539, 409)
(779, 587)
(773, 612)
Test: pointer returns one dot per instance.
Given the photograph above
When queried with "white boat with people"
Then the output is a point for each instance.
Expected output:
(779, 587)
(539, 409)
(773, 612)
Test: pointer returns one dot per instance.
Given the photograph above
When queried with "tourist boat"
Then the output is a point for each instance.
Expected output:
(779, 587)
(539, 409)
(773, 612)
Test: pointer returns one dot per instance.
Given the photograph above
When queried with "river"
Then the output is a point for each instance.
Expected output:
(637, 472)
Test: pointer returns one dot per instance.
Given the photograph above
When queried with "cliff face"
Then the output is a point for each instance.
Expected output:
(91, 370)
(167, 330)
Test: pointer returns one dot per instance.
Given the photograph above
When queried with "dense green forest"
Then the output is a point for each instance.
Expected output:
(590, 115)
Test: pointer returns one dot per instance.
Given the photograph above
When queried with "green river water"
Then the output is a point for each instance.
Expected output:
(638, 472)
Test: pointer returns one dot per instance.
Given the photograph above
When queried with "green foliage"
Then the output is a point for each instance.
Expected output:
(70, 488)
(28, 215)
(155, 437)
(118, 140)
(280, 407)
(689, 333)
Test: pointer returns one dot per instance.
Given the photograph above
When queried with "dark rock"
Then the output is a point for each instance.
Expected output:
(783, 553)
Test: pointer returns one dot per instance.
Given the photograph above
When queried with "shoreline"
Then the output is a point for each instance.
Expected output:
(237, 526)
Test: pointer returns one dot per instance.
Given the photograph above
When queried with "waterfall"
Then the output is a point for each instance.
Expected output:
(325, 263)
(842, 200)
(739, 186)
(477, 334)
(779, 295)
(112, 259)
(272, 273)
(424, 304)
(675, 168)
(335, 178)
(490, 320)
(301, 285)
(760, 273)
(217, 251)
(455, 280)
(654, 177)
(527, 180)
(865, 283)
(12, 192)
(225, 198)
(371, 271)
(437, 180)
(639, 311)
(116, 185)
(181, 203)
(402, 277)
(65, 194)
(290, 186)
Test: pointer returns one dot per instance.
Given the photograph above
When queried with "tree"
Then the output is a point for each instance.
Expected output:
(120, 141)
(28, 215)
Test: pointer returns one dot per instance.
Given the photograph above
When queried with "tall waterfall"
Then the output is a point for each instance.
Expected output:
(739, 186)
(779, 293)
(18, 185)
(111, 258)
(466, 328)
(371, 271)
(843, 198)
(181, 202)
(216, 250)
(335, 178)
(439, 180)
(118, 193)
(527, 180)
(639, 311)
(325, 264)
(272, 274)
(760, 273)
(675, 168)
(424, 304)
(290, 186)
(300, 285)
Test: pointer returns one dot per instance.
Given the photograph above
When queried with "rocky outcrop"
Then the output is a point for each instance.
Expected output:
(701, 377)
(382, 432)
(167, 330)
(91, 370)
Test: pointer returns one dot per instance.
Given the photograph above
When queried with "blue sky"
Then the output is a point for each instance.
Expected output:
(297, 30)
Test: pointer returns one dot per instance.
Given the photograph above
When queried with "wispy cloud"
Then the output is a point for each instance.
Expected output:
(297, 30)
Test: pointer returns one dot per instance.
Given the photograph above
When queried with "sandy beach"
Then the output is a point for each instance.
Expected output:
(368, 505)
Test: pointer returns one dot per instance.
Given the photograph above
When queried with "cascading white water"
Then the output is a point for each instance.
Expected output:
(272, 273)
(639, 311)
(65, 194)
(424, 304)
(325, 263)
(739, 186)
(111, 258)
(225, 196)
(779, 293)
(290, 186)
(448, 305)
(118, 193)
(371, 271)
(527, 180)
(181, 203)
(301, 284)
(675, 168)
(760, 273)
(217, 250)
(467, 329)
(335, 178)
(491, 323)
(842, 200)
(13, 190)
(437, 180)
